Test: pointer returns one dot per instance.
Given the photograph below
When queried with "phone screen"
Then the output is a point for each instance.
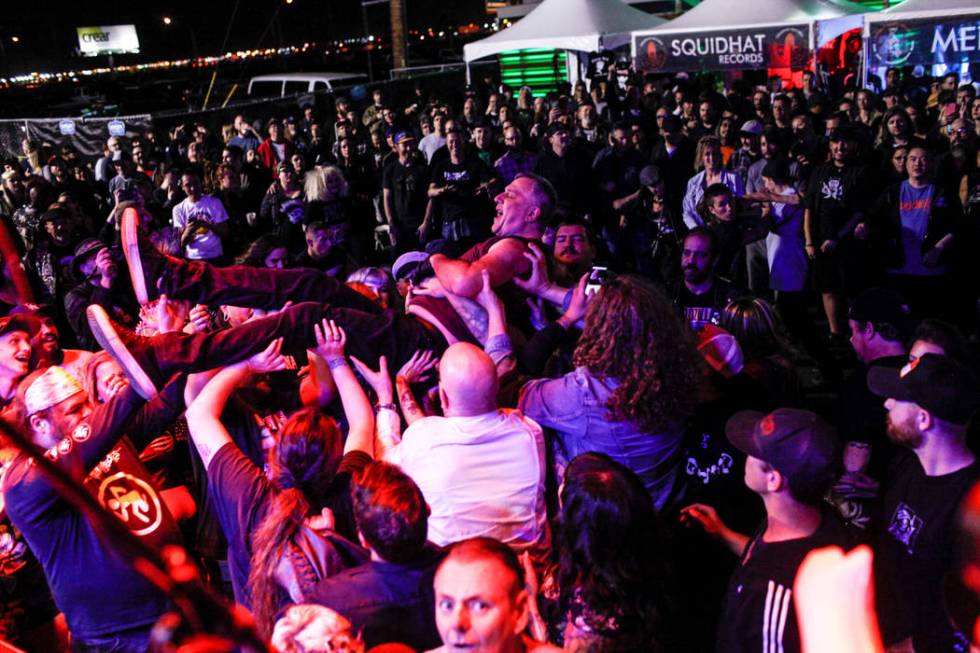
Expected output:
(597, 277)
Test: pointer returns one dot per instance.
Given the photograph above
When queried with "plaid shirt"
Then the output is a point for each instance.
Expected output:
(740, 162)
(509, 166)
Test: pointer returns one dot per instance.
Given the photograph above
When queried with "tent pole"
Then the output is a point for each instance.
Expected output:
(864, 63)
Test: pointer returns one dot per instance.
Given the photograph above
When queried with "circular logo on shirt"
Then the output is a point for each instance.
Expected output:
(133, 501)
(64, 447)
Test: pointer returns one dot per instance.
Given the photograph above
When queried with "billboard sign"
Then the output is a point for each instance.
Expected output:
(762, 47)
(108, 39)
(925, 41)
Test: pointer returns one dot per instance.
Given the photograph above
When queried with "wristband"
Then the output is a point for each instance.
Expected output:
(334, 363)
(379, 407)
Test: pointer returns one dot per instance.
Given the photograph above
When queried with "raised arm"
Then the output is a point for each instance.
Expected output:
(504, 260)
(330, 341)
(387, 421)
(414, 370)
(204, 411)
(317, 389)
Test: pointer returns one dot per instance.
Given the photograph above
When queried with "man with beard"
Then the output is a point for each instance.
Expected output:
(574, 252)
(702, 294)
(27, 610)
(930, 402)
(46, 345)
(109, 606)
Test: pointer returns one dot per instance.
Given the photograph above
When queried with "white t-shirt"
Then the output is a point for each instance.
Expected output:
(430, 143)
(209, 209)
(481, 476)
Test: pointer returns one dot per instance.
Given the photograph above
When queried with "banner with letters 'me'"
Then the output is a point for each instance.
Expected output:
(761, 47)
(925, 41)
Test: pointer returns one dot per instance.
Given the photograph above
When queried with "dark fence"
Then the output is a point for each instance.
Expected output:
(88, 135)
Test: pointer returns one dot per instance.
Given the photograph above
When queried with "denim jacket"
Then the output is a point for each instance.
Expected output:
(574, 408)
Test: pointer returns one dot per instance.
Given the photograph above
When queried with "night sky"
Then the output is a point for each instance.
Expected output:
(47, 38)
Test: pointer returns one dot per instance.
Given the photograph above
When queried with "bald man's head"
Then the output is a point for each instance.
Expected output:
(467, 381)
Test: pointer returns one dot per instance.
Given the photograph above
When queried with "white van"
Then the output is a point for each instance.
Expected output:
(283, 84)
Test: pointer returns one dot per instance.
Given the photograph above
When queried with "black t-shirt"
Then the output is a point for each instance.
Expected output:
(759, 614)
(833, 196)
(599, 63)
(862, 416)
(241, 495)
(462, 201)
(914, 547)
(701, 310)
(96, 590)
(731, 246)
(408, 186)
(714, 467)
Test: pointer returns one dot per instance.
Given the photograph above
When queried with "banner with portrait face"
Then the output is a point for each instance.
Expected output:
(925, 41)
(784, 46)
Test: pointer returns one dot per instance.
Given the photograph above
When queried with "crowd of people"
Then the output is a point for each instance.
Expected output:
(595, 370)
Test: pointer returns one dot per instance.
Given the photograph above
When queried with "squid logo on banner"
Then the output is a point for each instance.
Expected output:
(723, 50)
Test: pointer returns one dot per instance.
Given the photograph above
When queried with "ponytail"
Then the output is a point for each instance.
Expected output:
(281, 522)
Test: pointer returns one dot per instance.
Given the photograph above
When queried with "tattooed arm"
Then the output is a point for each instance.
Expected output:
(415, 370)
(473, 315)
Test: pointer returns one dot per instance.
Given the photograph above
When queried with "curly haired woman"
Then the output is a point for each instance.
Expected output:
(636, 372)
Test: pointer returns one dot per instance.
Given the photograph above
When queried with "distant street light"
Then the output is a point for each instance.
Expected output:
(167, 20)
(15, 39)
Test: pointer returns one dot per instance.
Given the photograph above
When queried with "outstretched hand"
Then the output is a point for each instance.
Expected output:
(704, 516)
(330, 340)
(269, 359)
(418, 367)
(379, 381)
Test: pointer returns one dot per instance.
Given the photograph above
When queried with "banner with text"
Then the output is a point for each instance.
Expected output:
(108, 39)
(925, 41)
(785, 46)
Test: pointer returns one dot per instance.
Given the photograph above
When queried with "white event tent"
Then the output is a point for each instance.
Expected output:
(573, 25)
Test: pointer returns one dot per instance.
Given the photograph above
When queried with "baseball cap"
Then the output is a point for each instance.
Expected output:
(406, 264)
(34, 310)
(555, 128)
(650, 175)
(753, 127)
(843, 133)
(56, 213)
(940, 384)
(720, 350)
(801, 445)
(401, 136)
(20, 322)
(881, 306)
